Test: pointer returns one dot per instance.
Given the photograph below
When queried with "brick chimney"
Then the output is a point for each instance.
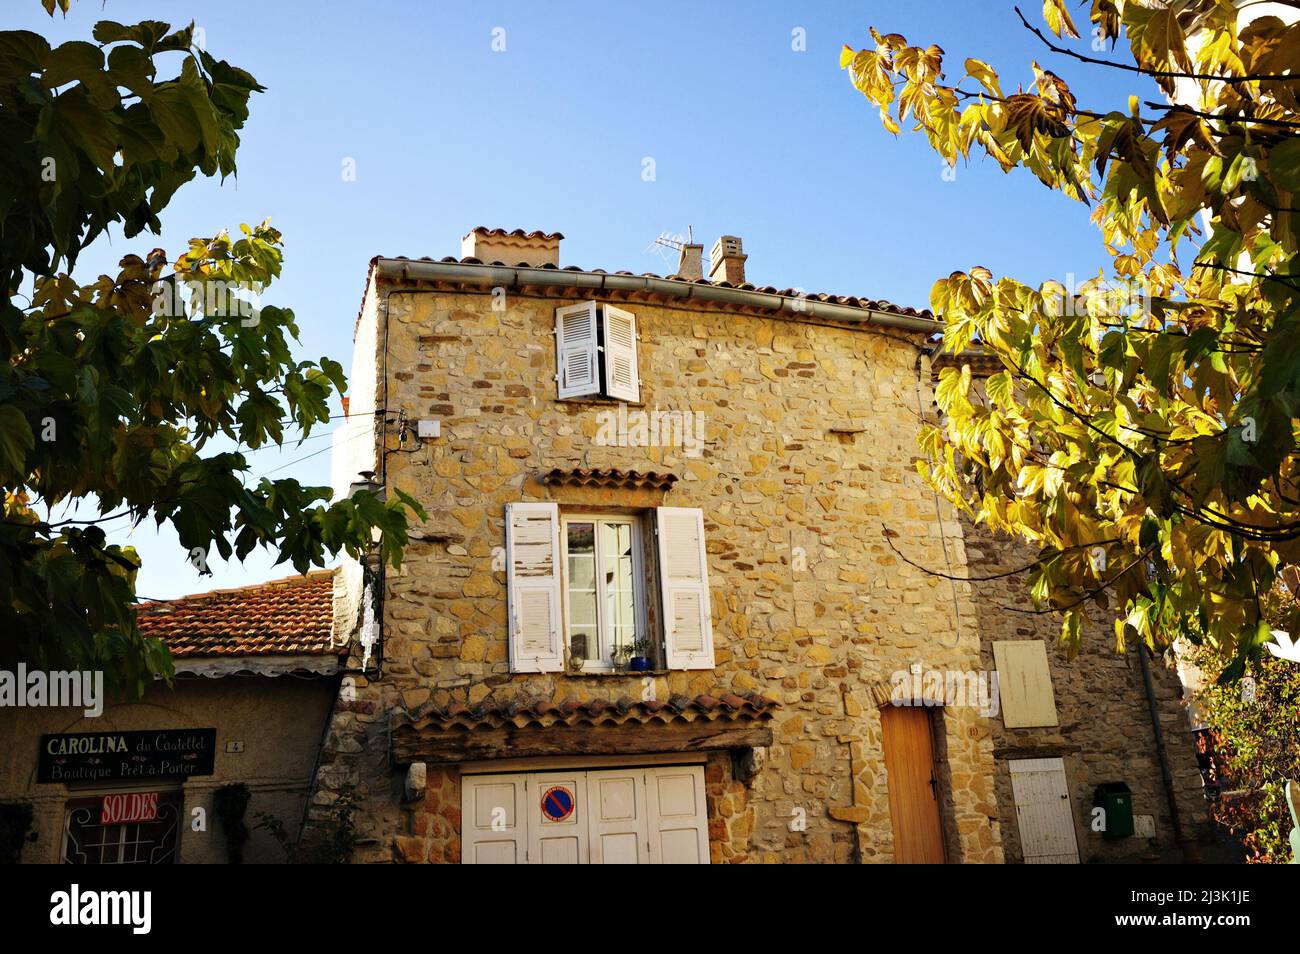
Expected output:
(518, 247)
(690, 262)
(727, 261)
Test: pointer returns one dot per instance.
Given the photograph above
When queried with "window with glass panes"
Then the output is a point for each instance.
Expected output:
(604, 601)
(88, 841)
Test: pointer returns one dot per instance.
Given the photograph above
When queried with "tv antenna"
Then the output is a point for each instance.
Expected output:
(673, 242)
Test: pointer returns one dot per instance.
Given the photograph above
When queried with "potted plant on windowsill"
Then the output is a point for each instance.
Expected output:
(640, 662)
(620, 656)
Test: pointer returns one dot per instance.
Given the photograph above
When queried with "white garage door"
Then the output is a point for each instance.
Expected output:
(605, 816)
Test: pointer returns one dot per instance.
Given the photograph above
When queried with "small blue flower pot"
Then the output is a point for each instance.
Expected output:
(639, 664)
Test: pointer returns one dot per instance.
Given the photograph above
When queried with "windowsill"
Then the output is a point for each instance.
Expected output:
(606, 673)
(598, 399)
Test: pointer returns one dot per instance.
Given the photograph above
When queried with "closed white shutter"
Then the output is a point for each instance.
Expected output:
(1043, 812)
(619, 833)
(576, 366)
(684, 580)
(494, 824)
(678, 818)
(557, 819)
(1024, 683)
(533, 591)
(621, 377)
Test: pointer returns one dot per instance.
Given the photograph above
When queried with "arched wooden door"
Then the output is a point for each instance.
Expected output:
(913, 784)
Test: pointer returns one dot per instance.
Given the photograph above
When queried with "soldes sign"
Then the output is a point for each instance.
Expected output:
(128, 808)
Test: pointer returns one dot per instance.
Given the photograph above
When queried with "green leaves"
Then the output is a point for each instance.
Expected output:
(1156, 406)
(111, 391)
(1256, 744)
(131, 393)
(1156, 37)
(148, 35)
(16, 441)
(1284, 164)
(77, 155)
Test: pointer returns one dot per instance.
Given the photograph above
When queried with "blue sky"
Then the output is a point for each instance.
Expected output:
(748, 137)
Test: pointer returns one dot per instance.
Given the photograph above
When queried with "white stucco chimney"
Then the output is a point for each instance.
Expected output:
(727, 261)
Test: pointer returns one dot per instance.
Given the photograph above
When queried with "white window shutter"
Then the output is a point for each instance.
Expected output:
(1024, 683)
(533, 590)
(576, 364)
(621, 378)
(684, 581)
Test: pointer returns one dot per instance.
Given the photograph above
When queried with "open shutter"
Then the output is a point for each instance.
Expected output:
(621, 378)
(533, 562)
(576, 366)
(684, 579)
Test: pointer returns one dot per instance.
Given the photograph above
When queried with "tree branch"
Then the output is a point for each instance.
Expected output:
(1154, 74)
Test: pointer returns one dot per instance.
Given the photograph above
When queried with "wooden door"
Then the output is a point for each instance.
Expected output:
(913, 784)
(1043, 812)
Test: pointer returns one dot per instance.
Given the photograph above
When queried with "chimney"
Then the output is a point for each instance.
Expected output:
(727, 261)
(690, 262)
(532, 249)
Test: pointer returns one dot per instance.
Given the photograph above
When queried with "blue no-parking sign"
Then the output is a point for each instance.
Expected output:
(557, 803)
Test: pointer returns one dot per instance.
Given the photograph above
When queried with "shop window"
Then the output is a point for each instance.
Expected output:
(122, 828)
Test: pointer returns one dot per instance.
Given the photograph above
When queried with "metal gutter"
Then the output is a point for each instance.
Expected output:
(502, 276)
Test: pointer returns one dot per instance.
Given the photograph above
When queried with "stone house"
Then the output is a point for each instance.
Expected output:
(257, 674)
(657, 612)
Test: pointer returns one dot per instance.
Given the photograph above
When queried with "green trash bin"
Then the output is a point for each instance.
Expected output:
(1116, 800)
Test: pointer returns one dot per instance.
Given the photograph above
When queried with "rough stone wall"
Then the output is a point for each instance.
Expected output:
(1104, 732)
(810, 442)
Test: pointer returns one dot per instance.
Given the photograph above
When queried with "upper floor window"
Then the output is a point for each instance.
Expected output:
(578, 586)
(595, 352)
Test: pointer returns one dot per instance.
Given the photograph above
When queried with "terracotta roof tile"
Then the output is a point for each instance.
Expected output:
(981, 365)
(872, 304)
(287, 617)
(491, 714)
(855, 301)
(517, 233)
(609, 477)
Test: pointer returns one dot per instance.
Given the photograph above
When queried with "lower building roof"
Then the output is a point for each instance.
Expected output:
(292, 617)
